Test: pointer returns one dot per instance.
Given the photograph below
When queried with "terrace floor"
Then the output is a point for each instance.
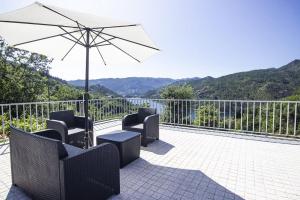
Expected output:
(199, 164)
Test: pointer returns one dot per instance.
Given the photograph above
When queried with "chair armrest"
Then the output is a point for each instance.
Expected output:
(130, 119)
(151, 125)
(80, 122)
(95, 171)
(60, 127)
(49, 133)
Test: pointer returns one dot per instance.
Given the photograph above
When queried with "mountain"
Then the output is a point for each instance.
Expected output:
(99, 89)
(155, 93)
(131, 86)
(264, 84)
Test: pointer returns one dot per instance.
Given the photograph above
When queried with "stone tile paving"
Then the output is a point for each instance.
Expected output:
(200, 165)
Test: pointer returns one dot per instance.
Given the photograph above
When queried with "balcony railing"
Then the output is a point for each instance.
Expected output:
(280, 118)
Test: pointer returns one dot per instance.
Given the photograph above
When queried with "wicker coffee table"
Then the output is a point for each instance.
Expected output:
(128, 143)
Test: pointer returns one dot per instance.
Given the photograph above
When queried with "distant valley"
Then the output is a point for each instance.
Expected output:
(129, 87)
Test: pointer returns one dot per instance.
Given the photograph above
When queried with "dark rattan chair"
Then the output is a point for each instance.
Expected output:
(45, 168)
(146, 122)
(71, 128)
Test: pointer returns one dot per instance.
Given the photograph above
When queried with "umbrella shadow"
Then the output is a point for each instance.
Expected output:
(159, 147)
(143, 179)
(170, 183)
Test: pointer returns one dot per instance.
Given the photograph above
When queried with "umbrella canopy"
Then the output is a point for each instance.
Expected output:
(60, 33)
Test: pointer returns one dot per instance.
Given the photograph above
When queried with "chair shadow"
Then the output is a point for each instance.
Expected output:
(15, 193)
(4, 148)
(159, 147)
(173, 183)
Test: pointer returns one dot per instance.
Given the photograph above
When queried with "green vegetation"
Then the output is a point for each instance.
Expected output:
(262, 117)
(24, 78)
(176, 110)
(177, 92)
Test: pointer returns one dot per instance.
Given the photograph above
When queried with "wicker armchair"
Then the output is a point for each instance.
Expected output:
(71, 128)
(45, 168)
(146, 122)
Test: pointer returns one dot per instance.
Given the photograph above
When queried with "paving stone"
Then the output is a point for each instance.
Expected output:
(188, 164)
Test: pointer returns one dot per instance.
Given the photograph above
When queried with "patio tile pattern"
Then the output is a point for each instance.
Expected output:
(200, 164)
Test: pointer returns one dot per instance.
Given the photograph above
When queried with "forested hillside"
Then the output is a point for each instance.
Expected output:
(265, 84)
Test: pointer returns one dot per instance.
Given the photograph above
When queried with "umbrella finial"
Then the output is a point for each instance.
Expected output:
(38, 3)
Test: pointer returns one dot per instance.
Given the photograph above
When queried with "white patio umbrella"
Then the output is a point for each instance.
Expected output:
(59, 33)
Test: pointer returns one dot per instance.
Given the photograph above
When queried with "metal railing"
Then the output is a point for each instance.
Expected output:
(266, 117)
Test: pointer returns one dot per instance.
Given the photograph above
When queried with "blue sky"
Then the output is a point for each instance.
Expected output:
(197, 38)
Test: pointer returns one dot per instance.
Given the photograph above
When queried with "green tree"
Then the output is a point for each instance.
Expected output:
(177, 108)
(178, 92)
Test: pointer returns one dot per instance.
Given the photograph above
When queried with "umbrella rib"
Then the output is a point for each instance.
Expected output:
(40, 24)
(81, 33)
(71, 48)
(72, 40)
(36, 40)
(144, 45)
(120, 49)
(121, 26)
(99, 51)
(99, 43)
(71, 35)
(59, 13)
(96, 36)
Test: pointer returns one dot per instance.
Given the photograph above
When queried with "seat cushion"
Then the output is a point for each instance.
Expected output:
(135, 127)
(72, 151)
(75, 130)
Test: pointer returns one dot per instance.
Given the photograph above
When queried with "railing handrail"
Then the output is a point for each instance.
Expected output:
(256, 116)
(151, 99)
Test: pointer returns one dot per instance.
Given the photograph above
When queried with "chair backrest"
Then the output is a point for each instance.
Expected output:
(144, 112)
(35, 163)
(66, 115)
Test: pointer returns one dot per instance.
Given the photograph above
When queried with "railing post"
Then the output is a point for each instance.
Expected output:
(267, 113)
(3, 122)
(241, 115)
(229, 115)
(253, 115)
(235, 115)
(247, 123)
(287, 118)
(259, 123)
(224, 114)
(30, 114)
(17, 115)
(280, 118)
(295, 119)
(273, 126)
(214, 115)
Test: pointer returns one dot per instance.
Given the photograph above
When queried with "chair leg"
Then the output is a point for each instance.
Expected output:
(144, 142)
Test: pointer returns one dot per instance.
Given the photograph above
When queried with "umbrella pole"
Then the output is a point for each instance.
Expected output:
(86, 94)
